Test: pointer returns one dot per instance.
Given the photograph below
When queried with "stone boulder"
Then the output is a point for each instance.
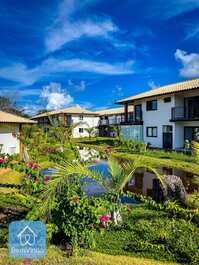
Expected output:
(175, 190)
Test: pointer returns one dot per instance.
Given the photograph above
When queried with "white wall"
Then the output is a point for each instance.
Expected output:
(10, 144)
(91, 120)
(156, 118)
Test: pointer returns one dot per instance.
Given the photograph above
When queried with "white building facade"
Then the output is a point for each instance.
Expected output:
(165, 117)
(69, 116)
(9, 124)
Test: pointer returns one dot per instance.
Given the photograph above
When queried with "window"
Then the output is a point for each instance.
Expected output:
(167, 128)
(138, 112)
(81, 117)
(191, 134)
(166, 100)
(81, 130)
(151, 105)
(151, 131)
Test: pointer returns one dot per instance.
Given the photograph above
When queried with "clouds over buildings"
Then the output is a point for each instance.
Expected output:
(56, 97)
(189, 62)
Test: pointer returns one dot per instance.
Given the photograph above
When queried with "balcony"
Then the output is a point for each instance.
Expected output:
(185, 113)
(133, 120)
(103, 122)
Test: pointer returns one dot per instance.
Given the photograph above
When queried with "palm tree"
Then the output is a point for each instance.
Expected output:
(195, 148)
(61, 132)
(25, 137)
(91, 132)
(119, 174)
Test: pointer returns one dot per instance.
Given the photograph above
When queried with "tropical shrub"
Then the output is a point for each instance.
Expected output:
(151, 234)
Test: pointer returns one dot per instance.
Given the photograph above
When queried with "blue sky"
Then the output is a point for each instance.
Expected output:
(89, 53)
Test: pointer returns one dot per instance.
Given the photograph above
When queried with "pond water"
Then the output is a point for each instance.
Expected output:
(141, 182)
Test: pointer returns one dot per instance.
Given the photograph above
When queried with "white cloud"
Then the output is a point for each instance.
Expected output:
(162, 9)
(192, 31)
(31, 109)
(56, 97)
(152, 84)
(65, 29)
(19, 73)
(77, 88)
(57, 67)
(190, 63)
(82, 65)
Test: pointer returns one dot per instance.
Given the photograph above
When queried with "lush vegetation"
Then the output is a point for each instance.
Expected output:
(75, 222)
(152, 234)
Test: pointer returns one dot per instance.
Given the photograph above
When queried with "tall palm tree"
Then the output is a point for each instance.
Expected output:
(119, 174)
(61, 132)
(25, 137)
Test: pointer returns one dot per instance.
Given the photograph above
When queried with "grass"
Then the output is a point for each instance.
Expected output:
(56, 256)
(147, 233)
(152, 158)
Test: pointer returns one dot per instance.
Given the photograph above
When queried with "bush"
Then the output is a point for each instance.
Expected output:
(150, 234)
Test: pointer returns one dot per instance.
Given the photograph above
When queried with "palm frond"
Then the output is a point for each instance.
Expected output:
(195, 148)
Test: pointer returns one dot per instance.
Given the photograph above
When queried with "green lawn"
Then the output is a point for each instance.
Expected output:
(56, 256)
(152, 157)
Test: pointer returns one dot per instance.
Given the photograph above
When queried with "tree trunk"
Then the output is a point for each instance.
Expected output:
(61, 148)
(25, 153)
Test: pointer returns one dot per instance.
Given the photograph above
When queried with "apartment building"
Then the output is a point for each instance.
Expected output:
(10, 123)
(109, 119)
(164, 117)
(70, 116)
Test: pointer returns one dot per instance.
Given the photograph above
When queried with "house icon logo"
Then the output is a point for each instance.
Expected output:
(27, 236)
(27, 239)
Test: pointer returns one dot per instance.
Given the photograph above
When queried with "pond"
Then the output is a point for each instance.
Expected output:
(140, 183)
(142, 180)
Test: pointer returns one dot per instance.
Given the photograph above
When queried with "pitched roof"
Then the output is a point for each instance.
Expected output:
(113, 111)
(71, 110)
(6, 117)
(168, 89)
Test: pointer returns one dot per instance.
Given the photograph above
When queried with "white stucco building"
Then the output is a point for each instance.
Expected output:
(10, 123)
(70, 116)
(164, 117)
(111, 118)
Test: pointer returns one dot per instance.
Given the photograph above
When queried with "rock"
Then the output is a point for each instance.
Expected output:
(175, 190)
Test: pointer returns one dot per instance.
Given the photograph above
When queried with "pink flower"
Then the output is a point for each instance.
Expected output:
(14, 134)
(30, 164)
(2, 160)
(76, 199)
(129, 209)
(103, 219)
(36, 166)
(47, 178)
(26, 261)
(69, 248)
(108, 150)
(37, 179)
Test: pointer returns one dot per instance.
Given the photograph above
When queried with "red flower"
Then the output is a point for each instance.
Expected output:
(76, 199)
(2, 160)
(26, 261)
(30, 164)
(36, 166)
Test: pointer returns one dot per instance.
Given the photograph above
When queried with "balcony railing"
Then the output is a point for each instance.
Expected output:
(110, 121)
(184, 113)
(133, 120)
(103, 122)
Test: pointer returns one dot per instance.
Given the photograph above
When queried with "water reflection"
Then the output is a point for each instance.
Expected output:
(87, 153)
